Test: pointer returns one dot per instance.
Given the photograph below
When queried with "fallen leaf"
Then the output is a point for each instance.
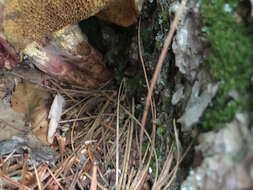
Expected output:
(12, 123)
(3, 90)
(33, 100)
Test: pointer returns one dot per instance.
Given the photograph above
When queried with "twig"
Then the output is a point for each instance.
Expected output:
(73, 106)
(77, 175)
(98, 184)
(164, 177)
(117, 135)
(125, 174)
(37, 178)
(62, 89)
(62, 167)
(160, 61)
(13, 182)
(140, 178)
(102, 177)
(83, 118)
(148, 86)
(73, 128)
(178, 161)
(9, 156)
(12, 126)
(24, 169)
(94, 177)
(53, 176)
(42, 173)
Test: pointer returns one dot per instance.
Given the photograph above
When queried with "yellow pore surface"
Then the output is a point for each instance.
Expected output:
(25, 21)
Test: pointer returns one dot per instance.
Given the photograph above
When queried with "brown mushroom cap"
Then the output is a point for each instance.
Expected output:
(25, 21)
(124, 13)
(45, 30)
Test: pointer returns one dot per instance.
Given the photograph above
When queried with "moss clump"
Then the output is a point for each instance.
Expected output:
(231, 58)
(147, 37)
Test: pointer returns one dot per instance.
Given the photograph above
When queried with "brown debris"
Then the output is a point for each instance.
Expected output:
(11, 122)
(8, 57)
(33, 101)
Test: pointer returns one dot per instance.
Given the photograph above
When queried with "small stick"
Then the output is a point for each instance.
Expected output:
(37, 178)
(13, 182)
(53, 176)
(12, 126)
(160, 64)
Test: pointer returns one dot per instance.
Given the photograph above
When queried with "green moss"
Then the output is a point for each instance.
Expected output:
(147, 37)
(134, 86)
(231, 58)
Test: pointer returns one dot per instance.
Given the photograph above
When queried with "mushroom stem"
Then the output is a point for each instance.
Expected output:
(69, 57)
(43, 31)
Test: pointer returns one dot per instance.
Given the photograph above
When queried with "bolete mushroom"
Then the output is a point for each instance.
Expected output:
(47, 32)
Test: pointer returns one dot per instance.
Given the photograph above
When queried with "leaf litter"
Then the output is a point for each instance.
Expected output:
(33, 101)
(83, 142)
(12, 123)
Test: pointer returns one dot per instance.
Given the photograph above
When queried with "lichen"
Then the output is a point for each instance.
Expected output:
(230, 60)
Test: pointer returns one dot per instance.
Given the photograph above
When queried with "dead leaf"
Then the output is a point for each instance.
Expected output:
(9, 118)
(3, 90)
(33, 100)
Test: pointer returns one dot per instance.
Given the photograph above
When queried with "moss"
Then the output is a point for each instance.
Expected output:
(231, 58)
(163, 19)
(159, 29)
(147, 37)
(134, 86)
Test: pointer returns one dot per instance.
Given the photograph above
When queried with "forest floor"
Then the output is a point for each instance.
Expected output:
(178, 114)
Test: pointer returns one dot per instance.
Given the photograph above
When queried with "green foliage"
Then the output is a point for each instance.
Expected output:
(231, 59)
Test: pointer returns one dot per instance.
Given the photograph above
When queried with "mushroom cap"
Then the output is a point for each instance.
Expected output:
(124, 13)
(25, 21)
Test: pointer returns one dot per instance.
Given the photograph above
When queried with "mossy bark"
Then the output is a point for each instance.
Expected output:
(230, 60)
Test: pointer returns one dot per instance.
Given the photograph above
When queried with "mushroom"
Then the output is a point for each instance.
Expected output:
(47, 32)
